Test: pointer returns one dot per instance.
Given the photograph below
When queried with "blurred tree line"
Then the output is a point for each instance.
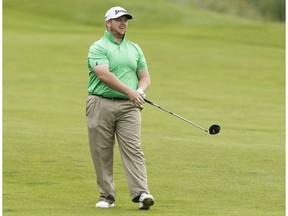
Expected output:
(271, 10)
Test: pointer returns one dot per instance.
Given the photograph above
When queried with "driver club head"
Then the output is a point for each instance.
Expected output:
(214, 129)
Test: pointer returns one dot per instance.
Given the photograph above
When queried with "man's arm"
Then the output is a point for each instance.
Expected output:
(103, 73)
(144, 79)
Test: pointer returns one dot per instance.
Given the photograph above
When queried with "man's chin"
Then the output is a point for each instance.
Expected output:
(122, 33)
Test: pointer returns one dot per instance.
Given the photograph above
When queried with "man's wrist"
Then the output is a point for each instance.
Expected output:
(140, 90)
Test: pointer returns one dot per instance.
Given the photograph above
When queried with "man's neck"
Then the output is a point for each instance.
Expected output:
(118, 39)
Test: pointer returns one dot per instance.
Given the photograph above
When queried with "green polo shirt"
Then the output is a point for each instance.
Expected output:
(124, 60)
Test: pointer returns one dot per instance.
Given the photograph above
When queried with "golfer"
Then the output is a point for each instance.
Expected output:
(118, 79)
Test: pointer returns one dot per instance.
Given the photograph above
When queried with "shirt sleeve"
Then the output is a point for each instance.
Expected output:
(97, 56)
(142, 63)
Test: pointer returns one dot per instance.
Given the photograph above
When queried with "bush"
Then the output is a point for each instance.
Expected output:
(270, 10)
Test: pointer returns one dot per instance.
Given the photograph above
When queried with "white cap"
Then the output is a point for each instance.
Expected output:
(116, 12)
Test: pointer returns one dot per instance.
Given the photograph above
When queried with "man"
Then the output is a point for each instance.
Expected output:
(118, 79)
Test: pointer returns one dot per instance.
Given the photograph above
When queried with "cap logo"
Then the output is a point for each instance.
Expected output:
(118, 11)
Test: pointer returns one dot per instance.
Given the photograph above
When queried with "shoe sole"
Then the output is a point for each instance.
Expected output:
(147, 203)
(105, 207)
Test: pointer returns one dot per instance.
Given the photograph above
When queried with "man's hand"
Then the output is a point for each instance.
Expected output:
(137, 97)
(141, 92)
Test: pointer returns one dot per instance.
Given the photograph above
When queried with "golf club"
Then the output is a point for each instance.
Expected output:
(214, 129)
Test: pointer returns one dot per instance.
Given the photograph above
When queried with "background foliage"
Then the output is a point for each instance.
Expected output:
(273, 10)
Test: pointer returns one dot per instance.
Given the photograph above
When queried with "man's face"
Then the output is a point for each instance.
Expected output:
(118, 26)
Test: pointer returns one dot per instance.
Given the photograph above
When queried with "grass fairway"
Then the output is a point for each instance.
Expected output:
(210, 69)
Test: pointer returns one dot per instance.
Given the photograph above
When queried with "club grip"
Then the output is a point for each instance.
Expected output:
(147, 101)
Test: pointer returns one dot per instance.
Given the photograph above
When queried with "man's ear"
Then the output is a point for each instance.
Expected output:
(108, 22)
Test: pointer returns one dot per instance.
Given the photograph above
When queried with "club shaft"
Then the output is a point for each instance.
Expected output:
(176, 115)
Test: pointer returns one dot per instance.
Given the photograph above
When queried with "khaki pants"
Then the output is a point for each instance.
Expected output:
(105, 119)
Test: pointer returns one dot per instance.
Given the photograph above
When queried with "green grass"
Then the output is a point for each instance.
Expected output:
(211, 69)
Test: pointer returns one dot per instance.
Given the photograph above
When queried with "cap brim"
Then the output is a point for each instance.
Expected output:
(120, 15)
(128, 16)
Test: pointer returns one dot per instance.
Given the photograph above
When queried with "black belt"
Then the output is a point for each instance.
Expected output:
(114, 98)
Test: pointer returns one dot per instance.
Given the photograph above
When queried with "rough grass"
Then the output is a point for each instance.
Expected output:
(233, 75)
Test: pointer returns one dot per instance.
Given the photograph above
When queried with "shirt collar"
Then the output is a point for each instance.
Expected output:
(110, 36)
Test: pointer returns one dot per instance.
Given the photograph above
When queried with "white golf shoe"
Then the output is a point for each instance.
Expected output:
(103, 204)
(145, 201)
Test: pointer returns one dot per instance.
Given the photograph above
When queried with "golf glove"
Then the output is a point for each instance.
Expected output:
(141, 92)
